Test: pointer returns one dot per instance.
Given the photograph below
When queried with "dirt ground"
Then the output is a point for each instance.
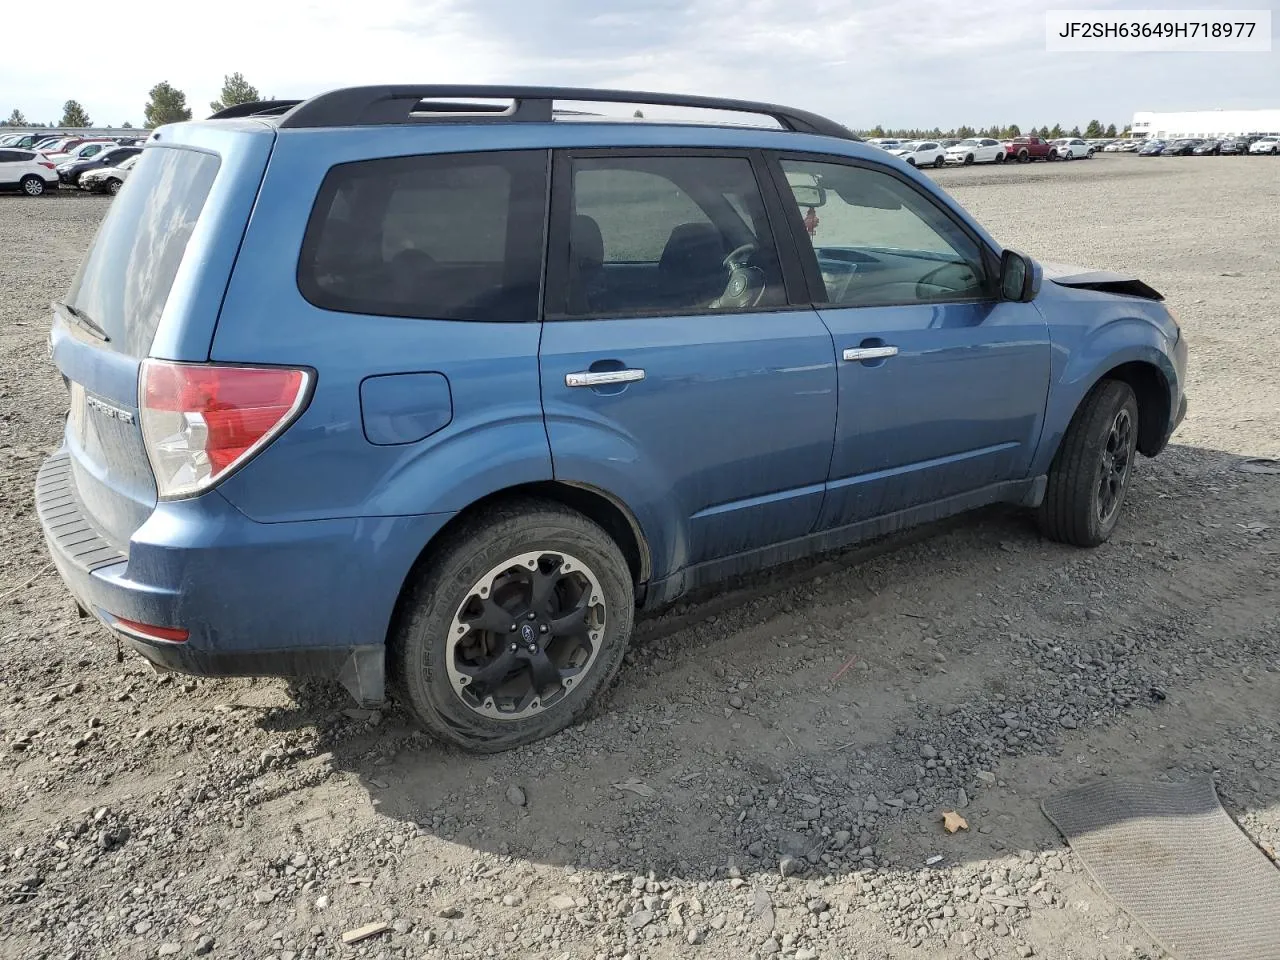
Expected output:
(815, 722)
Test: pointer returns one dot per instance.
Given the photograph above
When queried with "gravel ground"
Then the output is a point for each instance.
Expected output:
(768, 776)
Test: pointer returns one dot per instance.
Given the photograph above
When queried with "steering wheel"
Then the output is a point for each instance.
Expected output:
(928, 287)
(746, 284)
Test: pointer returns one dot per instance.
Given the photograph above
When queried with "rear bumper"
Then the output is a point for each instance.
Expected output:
(310, 598)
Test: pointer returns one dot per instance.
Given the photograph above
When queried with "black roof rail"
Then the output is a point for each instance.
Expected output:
(255, 108)
(383, 105)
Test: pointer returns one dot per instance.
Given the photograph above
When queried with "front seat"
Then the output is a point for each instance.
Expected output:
(691, 271)
(586, 265)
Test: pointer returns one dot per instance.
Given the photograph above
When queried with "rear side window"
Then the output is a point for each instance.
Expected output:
(446, 237)
(125, 280)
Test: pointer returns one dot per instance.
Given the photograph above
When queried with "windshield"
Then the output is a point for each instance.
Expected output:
(124, 281)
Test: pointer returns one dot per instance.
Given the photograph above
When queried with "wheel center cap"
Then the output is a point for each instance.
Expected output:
(528, 632)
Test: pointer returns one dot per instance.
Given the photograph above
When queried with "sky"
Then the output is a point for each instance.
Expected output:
(898, 63)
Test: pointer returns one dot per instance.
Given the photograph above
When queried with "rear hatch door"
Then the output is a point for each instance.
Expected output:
(151, 284)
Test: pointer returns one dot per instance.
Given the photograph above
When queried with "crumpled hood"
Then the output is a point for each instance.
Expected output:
(1067, 275)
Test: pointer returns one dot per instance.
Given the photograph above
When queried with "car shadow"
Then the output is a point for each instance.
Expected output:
(831, 712)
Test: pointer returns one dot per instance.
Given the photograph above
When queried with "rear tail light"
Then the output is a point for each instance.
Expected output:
(46, 163)
(200, 422)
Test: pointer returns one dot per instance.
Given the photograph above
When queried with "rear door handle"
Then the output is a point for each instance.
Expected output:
(597, 378)
(870, 353)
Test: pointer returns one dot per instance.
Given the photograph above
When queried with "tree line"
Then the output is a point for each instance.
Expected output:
(1093, 131)
(165, 104)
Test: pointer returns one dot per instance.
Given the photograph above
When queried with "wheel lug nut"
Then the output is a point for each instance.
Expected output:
(513, 628)
(533, 616)
(515, 647)
(542, 629)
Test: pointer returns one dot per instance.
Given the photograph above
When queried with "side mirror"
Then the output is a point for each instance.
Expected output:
(1019, 277)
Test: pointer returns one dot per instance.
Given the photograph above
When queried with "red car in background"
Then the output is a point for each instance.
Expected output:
(1026, 149)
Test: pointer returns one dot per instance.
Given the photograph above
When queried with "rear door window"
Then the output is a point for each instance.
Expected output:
(125, 280)
(668, 234)
(445, 236)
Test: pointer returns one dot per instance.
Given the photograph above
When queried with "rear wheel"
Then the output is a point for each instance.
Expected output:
(1024, 157)
(1090, 473)
(32, 186)
(939, 161)
(999, 158)
(519, 621)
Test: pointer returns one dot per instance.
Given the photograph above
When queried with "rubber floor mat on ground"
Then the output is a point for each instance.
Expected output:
(1169, 855)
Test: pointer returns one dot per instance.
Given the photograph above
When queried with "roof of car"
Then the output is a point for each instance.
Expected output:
(389, 105)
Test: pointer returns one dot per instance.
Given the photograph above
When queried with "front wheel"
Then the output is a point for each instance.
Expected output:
(939, 161)
(520, 620)
(32, 186)
(113, 186)
(968, 159)
(911, 161)
(1092, 468)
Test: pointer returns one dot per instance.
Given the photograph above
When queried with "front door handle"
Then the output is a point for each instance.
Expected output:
(600, 378)
(870, 353)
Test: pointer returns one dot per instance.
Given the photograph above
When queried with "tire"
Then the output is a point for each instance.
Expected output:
(999, 158)
(1089, 155)
(1053, 155)
(32, 185)
(433, 673)
(910, 162)
(940, 161)
(1097, 451)
(1024, 157)
(968, 159)
(113, 186)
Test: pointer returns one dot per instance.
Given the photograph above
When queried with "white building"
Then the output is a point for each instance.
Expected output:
(1205, 123)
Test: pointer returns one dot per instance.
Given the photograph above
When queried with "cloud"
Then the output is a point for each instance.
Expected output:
(896, 62)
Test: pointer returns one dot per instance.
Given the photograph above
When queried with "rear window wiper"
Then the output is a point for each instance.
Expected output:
(80, 319)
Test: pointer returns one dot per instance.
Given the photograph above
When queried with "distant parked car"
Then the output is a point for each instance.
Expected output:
(81, 151)
(1131, 146)
(1152, 148)
(1073, 148)
(1235, 146)
(976, 150)
(27, 171)
(1263, 145)
(71, 171)
(1207, 148)
(108, 179)
(57, 146)
(28, 141)
(1115, 146)
(1182, 148)
(921, 153)
(886, 143)
(1026, 149)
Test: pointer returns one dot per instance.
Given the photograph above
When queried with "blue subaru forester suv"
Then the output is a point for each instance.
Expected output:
(432, 387)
